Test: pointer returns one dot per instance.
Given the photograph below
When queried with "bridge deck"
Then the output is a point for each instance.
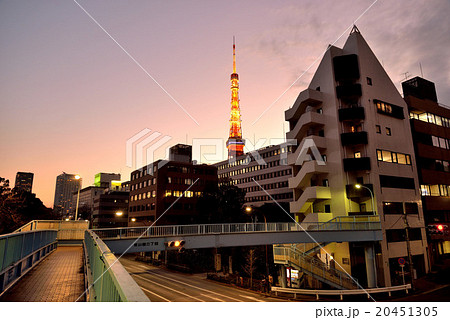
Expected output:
(58, 278)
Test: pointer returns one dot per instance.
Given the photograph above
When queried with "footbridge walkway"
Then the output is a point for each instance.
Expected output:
(39, 246)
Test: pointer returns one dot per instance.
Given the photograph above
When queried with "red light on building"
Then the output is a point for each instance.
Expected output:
(440, 227)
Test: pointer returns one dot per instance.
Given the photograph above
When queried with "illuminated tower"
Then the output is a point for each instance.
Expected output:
(235, 143)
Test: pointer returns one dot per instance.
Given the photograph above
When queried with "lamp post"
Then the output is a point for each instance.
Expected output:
(359, 186)
(77, 177)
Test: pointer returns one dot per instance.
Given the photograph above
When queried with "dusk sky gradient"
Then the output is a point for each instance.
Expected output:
(70, 97)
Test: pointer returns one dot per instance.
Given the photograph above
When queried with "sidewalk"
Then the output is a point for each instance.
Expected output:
(59, 278)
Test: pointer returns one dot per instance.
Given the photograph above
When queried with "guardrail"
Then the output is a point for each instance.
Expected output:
(359, 223)
(341, 293)
(313, 266)
(67, 230)
(107, 279)
(20, 252)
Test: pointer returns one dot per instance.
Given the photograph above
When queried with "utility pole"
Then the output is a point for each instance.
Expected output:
(408, 249)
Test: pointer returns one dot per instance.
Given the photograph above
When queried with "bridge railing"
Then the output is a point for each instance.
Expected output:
(67, 230)
(19, 252)
(107, 279)
(337, 224)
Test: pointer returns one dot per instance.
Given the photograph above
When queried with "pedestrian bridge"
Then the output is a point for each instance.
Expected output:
(105, 279)
(155, 238)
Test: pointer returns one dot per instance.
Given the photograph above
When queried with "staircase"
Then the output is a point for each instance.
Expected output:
(313, 267)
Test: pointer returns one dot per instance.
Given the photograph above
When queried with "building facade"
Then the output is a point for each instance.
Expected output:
(66, 185)
(263, 175)
(430, 126)
(24, 181)
(110, 209)
(154, 190)
(354, 124)
(105, 179)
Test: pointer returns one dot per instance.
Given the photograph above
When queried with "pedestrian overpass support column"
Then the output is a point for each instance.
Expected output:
(370, 266)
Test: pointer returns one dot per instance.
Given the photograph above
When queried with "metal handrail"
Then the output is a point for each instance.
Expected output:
(341, 293)
(230, 228)
(314, 266)
(107, 279)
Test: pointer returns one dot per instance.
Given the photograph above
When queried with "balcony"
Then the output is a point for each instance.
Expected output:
(346, 67)
(355, 113)
(308, 197)
(355, 193)
(353, 138)
(306, 121)
(349, 91)
(303, 177)
(319, 142)
(356, 164)
(306, 98)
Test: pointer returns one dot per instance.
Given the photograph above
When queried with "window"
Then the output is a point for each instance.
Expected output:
(388, 131)
(392, 208)
(411, 208)
(378, 128)
(393, 157)
(369, 81)
(327, 208)
(357, 154)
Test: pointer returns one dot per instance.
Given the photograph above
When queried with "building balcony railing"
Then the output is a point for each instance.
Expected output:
(353, 138)
(353, 113)
(308, 197)
(356, 164)
(307, 121)
(308, 169)
(306, 97)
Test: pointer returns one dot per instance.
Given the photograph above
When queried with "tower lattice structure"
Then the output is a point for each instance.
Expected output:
(235, 143)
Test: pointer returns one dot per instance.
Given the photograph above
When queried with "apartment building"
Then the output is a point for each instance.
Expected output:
(430, 126)
(354, 123)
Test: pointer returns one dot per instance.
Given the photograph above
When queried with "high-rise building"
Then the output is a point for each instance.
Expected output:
(66, 185)
(104, 179)
(430, 125)
(24, 181)
(354, 124)
(235, 143)
(155, 188)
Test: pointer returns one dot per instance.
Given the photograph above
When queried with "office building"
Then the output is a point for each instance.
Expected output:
(430, 126)
(104, 179)
(268, 167)
(66, 185)
(24, 181)
(110, 209)
(154, 189)
(354, 124)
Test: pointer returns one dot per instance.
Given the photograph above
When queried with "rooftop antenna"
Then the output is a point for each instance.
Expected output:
(421, 72)
(234, 55)
(405, 74)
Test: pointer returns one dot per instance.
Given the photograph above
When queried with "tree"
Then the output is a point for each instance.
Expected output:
(18, 207)
(221, 204)
(250, 265)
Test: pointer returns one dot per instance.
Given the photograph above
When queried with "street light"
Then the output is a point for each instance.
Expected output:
(359, 186)
(248, 209)
(133, 219)
(77, 177)
(119, 213)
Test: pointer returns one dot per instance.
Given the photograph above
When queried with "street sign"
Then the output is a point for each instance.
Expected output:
(401, 261)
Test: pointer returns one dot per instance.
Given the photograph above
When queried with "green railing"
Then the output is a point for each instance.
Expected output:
(107, 279)
(19, 252)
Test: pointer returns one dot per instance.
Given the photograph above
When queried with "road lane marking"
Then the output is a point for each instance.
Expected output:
(190, 285)
(161, 285)
(155, 294)
(251, 298)
(208, 296)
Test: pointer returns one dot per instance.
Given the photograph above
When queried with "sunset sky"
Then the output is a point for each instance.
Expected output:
(70, 97)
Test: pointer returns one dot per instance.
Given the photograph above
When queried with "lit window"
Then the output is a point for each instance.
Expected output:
(378, 128)
(168, 193)
(388, 131)
(357, 154)
(153, 193)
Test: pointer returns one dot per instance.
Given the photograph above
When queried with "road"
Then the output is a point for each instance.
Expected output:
(161, 285)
